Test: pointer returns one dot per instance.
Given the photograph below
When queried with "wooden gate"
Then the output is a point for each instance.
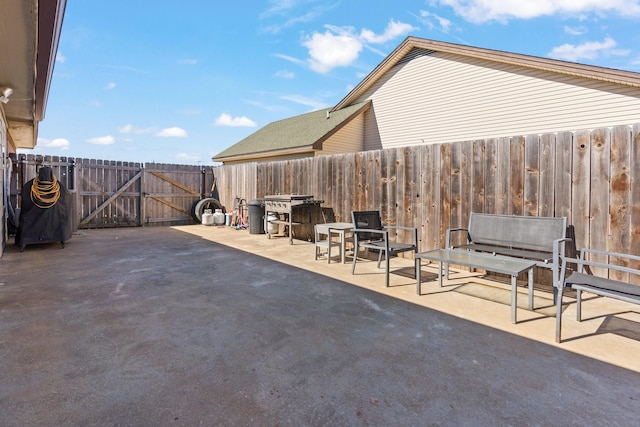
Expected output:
(117, 194)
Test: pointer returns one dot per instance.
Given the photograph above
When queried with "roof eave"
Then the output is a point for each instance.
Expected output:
(264, 154)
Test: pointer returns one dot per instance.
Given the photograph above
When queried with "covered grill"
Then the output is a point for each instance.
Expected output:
(283, 207)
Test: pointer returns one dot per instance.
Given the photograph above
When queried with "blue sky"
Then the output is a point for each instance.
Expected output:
(178, 82)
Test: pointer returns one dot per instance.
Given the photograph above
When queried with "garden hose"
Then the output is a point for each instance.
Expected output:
(45, 194)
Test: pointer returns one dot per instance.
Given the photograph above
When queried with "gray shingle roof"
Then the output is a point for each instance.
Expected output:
(306, 130)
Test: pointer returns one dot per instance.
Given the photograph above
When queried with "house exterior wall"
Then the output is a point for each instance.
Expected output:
(349, 139)
(432, 97)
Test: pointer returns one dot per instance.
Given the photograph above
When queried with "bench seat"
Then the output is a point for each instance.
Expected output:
(605, 287)
(598, 285)
(544, 257)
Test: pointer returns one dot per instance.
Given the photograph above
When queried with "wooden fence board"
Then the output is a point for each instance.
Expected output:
(490, 173)
(634, 198)
(516, 175)
(455, 182)
(580, 187)
(477, 186)
(546, 175)
(503, 176)
(619, 195)
(531, 182)
(599, 197)
(445, 191)
(562, 175)
(466, 182)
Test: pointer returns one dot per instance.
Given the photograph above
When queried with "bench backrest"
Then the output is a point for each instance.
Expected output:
(525, 232)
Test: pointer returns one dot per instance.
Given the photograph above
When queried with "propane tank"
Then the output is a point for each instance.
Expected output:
(218, 217)
(207, 217)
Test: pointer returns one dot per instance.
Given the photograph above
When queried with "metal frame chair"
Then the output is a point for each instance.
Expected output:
(369, 233)
(324, 242)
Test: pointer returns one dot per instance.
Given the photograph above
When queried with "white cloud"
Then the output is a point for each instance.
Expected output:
(394, 29)
(427, 18)
(61, 143)
(102, 140)
(588, 50)
(60, 57)
(575, 31)
(479, 11)
(173, 132)
(226, 120)
(290, 59)
(309, 102)
(111, 85)
(328, 51)
(341, 46)
(285, 74)
(188, 61)
(131, 129)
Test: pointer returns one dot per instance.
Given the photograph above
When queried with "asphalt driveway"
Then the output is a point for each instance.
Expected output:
(154, 326)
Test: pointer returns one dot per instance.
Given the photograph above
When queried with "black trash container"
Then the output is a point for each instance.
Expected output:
(256, 216)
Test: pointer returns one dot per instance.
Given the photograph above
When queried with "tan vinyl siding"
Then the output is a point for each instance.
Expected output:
(349, 139)
(371, 132)
(439, 98)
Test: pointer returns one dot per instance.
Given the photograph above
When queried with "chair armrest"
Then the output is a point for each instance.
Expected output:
(451, 231)
(585, 251)
(414, 233)
(558, 257)
(369, 230)
(582, 262)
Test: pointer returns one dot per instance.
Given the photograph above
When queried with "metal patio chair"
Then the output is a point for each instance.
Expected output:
(323, 241)
(369, 233)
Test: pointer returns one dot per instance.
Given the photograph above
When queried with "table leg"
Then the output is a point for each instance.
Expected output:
(440, 273)
(418, 274)
(343, 245)
(514, 299)
(530, 282)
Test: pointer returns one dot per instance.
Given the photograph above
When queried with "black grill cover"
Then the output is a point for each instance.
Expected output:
(44, 225)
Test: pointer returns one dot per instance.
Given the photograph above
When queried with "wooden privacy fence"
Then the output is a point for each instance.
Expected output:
(591, 177)
(115, 194)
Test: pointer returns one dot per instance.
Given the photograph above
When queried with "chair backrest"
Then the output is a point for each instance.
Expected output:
(367, 220)
(526, 232)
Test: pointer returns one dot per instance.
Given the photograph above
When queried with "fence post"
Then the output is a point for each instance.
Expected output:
(143, 201)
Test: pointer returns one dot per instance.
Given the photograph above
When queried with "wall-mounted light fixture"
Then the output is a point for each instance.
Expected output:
(5, 93)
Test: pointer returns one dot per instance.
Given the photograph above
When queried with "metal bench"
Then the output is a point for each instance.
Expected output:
(540, 239)
(599, 285)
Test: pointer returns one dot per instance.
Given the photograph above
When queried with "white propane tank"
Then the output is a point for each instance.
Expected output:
(207, 217)
(272, 228)
(218, 217)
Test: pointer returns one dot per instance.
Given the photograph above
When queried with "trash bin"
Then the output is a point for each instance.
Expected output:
(256, 216)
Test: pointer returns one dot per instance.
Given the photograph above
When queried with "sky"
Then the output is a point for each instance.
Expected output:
(178, 82)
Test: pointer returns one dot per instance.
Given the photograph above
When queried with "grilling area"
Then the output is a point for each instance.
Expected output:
(281, 210)
(200, 324)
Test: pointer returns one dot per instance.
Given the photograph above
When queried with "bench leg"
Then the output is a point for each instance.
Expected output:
(559, 293)
(579, 305)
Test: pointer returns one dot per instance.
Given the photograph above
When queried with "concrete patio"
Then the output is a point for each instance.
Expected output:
(200, 325)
